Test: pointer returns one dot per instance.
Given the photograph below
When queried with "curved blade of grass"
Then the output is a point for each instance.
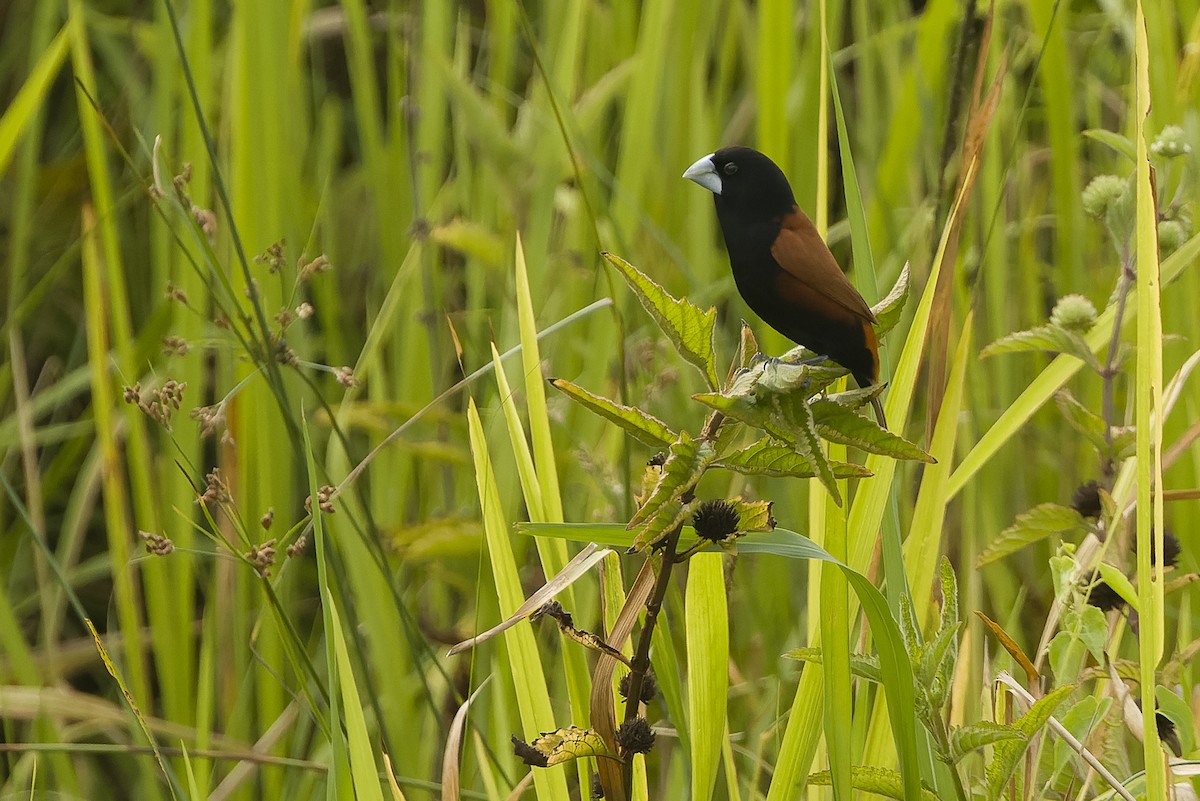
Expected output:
(578, 567)
(361, 755)
(451, 756)
(341, 780)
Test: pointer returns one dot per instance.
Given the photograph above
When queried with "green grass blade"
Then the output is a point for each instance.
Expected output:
(533, 698)
(1148, 420)
(707, 631)
(23, 108)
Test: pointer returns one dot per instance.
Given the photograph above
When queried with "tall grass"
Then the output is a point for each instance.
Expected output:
(412, 144)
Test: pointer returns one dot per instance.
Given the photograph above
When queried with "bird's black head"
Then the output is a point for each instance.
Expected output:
(744, 181)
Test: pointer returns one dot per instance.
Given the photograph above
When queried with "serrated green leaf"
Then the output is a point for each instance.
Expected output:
(889, 310)
(1032, 526)
(690, 330)
(1009, 752)
(768, 457)
(949, 616)
(664, 508)
(787, 374)
(643, 427)
(1082, 419)
(909, 632)
(785, 416)
(856, 398)
(792, 421)
(945, 644)
(1045, 338)
(838, 423)
(965, 739)
(753, 515)
(862, 665)
(748, 346)
(877, 781)
(937, 665)
(743, 407)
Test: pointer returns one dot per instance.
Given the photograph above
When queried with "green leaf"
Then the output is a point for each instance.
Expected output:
(706, 633)
(877, 781)
(689, 329)
(949, 616)
(837, 423)
(1116, 141)
(1089, 625)
(864, 666)
(856, 398)
(753, 515)
(889, 310)
(1116, 578)
(664, 508)
(769, 457)
(1081, 720)
(1032, 526)
(1045, 338)
(1179, 713)
(937, 666)
(942, 654)
(965, 739)
(1081, 418)
(784, 415)
(643, 427)
(792, 421)
(1009, 752)
(562, 745)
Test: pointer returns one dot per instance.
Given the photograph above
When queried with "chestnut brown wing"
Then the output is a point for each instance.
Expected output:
(813, 278)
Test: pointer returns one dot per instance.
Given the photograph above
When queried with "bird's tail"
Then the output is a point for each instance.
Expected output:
(878, 407)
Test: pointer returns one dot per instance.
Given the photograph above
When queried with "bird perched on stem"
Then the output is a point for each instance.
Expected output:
(783, 268)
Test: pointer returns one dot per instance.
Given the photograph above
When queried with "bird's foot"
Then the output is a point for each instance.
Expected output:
(761, 357)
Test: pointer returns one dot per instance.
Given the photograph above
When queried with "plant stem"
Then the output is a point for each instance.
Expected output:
(639, 666)
(1110, 371)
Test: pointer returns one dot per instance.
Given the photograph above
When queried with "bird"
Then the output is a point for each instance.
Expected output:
(783, 268)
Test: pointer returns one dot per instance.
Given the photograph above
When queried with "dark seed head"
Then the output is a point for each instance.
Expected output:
(716, 520)
(1167, 733)
(1104, 597)
(1171, 548)
(1086, 499)
(649, 687)
(635, 737)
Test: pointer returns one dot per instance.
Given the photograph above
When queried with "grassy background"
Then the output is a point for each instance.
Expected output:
(411, 143)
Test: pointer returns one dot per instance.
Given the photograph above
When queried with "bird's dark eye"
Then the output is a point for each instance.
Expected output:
(730, 168)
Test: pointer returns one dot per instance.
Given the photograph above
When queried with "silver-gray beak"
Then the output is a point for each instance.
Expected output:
(704, 172)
